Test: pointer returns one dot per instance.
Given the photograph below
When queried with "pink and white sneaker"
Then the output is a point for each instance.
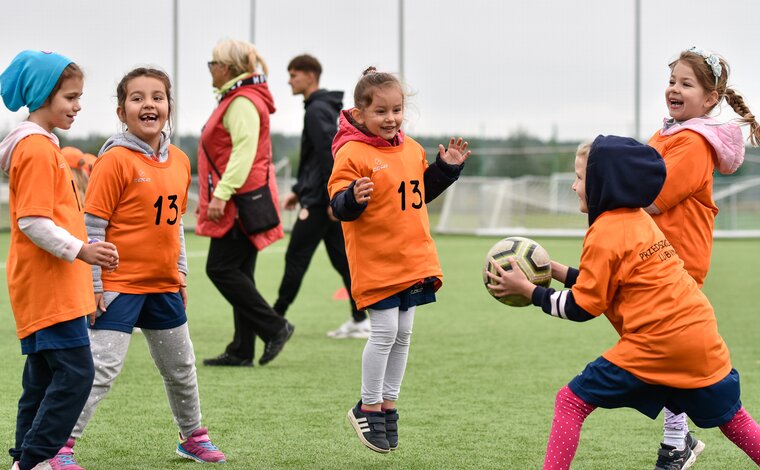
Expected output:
(64, 459)
(198, 447)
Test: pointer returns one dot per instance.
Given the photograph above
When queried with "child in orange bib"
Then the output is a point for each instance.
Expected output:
(694, 145)
(630, 273)
(379, 188)
(50, 288)
(136, 197)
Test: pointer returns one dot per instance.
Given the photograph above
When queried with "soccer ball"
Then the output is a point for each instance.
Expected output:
(531, 258)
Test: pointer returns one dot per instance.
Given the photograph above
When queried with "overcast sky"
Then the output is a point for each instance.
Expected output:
(476, 68)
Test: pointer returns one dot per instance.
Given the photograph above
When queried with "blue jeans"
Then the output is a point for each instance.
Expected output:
(56, 384)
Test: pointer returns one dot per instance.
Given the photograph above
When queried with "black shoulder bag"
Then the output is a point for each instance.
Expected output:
(256, 210)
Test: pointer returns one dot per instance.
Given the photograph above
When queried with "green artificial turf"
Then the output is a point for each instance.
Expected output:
(478, 393)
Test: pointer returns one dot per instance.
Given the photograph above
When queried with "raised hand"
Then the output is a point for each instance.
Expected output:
(457, 152)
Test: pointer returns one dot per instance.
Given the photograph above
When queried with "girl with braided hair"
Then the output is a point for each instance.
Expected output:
(694, 145)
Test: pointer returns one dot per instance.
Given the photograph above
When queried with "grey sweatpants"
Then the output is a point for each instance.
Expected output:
(173, 355)
(385, 355)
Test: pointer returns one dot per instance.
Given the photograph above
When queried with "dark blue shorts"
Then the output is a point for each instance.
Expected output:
(419, 294)
(606, 385)
(149, 311)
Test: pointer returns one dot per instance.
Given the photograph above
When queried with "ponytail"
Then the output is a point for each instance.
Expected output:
(737, 103)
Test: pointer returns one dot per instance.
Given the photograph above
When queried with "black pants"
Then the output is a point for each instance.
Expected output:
(230, 265)
(56, 384)
(304, 240)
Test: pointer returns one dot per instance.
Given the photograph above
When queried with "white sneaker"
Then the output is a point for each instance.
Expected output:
(351, 329)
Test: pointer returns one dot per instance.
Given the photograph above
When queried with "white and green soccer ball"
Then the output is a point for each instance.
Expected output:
(532, 259)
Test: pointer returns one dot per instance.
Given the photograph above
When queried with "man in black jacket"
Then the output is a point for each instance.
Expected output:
(315, 221)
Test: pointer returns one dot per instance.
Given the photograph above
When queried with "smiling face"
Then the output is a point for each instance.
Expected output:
(384, 115)
(145, 109)
(61, 109)
(685, 97)
(579, 185)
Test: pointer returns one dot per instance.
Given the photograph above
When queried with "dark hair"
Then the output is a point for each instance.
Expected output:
(706, 79)
(121, 88)
(71, 71)
(306, 63)
(370, 80)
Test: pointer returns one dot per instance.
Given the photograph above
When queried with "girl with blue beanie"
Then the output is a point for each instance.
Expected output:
(48, 242)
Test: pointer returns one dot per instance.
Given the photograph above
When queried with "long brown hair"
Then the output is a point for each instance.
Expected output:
(706, 79)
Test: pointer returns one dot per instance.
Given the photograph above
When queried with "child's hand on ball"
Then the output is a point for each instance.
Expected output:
(509, 282)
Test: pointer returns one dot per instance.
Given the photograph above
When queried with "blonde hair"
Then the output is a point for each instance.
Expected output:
(706, 78)
(240, 56)
(584, 148)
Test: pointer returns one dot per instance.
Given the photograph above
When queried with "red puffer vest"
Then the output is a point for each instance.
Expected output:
(216, 140)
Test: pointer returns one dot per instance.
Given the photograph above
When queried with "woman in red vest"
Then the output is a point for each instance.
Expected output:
(235, 157)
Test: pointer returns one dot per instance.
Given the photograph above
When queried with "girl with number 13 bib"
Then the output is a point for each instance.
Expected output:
(136, 197)
(379, 188)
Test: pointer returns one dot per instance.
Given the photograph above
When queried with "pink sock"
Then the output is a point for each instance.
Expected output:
(569, 413)
(743, 431)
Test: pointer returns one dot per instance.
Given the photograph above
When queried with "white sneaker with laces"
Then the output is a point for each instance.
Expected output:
(351, 329)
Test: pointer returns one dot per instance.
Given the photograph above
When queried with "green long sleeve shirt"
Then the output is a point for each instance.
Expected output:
(243, 122)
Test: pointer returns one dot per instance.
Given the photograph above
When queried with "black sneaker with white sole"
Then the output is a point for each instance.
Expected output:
(669, 458)
(391, 428)
(694, 444)
(370, 427)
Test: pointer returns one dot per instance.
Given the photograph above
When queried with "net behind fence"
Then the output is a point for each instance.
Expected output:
(543, 205)
(547, 206)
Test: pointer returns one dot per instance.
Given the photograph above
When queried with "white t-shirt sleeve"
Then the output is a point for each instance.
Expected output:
(52, 238)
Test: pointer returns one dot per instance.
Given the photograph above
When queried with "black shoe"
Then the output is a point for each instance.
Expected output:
(668, 458)
(370, 427)
(391, 428)
(225, 359)
(274, 346)
(694, 444)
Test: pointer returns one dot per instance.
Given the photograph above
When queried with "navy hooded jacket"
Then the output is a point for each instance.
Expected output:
(620, 173)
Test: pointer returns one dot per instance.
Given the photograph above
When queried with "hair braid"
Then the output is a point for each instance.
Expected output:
(737, 103)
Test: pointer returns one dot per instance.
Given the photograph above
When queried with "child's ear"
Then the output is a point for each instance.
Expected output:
(357, 115)
(712, 99)
(120, 114)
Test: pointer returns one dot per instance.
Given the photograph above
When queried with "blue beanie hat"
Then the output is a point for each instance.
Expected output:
(30, 78)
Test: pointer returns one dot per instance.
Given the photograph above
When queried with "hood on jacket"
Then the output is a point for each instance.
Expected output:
(621, 172)
(132, 142)
(349, 131)
(8, 144)
(725, 138)
(333, 99)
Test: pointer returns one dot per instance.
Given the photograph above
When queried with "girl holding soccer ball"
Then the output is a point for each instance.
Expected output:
(631, 274)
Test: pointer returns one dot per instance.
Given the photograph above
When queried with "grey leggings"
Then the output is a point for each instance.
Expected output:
(173, 355)
(384, 357)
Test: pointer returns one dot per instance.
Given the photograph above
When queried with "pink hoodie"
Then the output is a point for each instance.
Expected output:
(726, 139)
(348, 132)
(8, 144)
